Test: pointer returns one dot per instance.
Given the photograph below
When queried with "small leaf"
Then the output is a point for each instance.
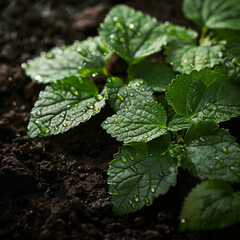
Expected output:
(122, 97)
(214, 14)
(175, 33)
(83, 58)
(211, 153)
(138, 174)
(179, 123)
(131, 34)
(142, 121)
(210, 205)
(185, 57)
(205, 94)
(157, 75)
(64, 105)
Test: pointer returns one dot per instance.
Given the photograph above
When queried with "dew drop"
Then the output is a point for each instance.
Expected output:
(146, 200)
(134, 168)
(115, 19)
(147, 181)
(183, 220)
(49, 55)
(120, 97)
(112, 36)
(38, 113)
(131, 157)
(139, 34)
(231, 168)
(106, 122)
(24, 65)
(45, 130)
(96, 109)
(136, 198)
(130, 202)
(185, 61)
(220, 54)
(64, 125)
(83, 110)
(131, 25)
(90, 106)
(152, 189)
(38, 78)
(205, 60)
(99, 97)
(224, 149)
(124, 159)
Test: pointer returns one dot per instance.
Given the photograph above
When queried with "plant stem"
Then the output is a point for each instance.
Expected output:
(203, 34)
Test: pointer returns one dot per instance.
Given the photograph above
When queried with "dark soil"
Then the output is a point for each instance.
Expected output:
(55, 188)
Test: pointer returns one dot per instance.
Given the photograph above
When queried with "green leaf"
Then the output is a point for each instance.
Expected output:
(131, 34)
(122, 97)
(213, 14)
(204, 94)
(185, 57)
(142, 121)
(64, 105)
(210, 205)
(211, 153)
(179, 123)
(157, 75)
(83, 58)
(176, 33)
(138, 174)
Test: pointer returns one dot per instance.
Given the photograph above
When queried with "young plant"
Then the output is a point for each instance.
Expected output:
(177, 129)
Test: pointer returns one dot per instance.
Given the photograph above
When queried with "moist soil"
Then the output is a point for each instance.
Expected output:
(56, 188)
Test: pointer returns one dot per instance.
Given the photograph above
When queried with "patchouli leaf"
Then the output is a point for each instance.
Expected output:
(122, 97)
(204, 94)
(138, 174)
(210, 205)
(185, 57)
(211, 153)
(64, 105)
(142, 121)
(131, 34)
(157, 75)
(84, 58)
(214, 14)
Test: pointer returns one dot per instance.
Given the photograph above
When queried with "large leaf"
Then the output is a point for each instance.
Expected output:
(185, 57)
(64, 105)
(83, 58)
(204, 94)
(157, 75)
(210, 205)
(213, 13)
(121, 96)
(131, 34)
(142, 121)
(138, 174)
(211, 153)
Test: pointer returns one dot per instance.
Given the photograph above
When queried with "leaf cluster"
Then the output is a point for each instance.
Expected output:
(198, 88)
